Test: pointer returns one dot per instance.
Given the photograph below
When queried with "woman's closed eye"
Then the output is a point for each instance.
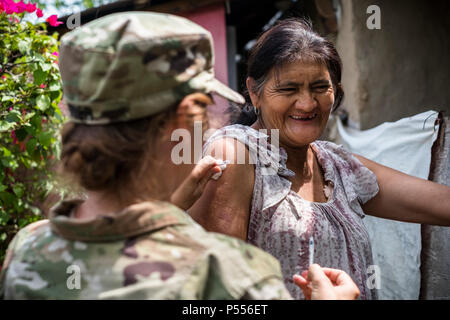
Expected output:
(287, 89)
(321, 88)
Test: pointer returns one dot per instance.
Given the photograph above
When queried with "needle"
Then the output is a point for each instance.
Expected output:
(311, 250)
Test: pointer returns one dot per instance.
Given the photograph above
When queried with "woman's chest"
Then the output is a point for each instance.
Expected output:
(295, 220)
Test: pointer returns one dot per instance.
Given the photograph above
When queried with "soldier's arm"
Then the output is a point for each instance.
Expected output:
(8, 258)
(193, 186)
(14, 245)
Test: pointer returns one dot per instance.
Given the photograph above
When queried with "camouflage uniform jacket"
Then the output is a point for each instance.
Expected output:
(150, 250)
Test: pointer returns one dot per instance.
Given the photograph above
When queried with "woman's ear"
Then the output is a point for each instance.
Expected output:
(250, 83)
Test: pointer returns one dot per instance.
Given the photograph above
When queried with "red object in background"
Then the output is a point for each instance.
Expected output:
(31, 7)
(212, 18)
(53, 20)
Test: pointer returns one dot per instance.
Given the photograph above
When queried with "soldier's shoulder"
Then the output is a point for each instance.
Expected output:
(30, 232)
(255, 257)
(231, 268)
(233, 249)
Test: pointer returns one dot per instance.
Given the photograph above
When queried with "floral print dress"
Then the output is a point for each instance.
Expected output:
(282, 223)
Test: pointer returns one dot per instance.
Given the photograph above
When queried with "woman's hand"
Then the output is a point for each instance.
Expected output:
(192, 187)
(326, 284)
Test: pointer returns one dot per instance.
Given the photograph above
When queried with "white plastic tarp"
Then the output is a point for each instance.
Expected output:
(404, 145)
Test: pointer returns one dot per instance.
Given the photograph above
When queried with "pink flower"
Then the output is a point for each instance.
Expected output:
(9, 6)
(30, 7)
(53, 21)
(21, 6)
(56, 54)
(39, 13)
(43, 86)
(13, 136)
(3, 77)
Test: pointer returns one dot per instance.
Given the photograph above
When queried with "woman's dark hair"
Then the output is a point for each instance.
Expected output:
(288, 41)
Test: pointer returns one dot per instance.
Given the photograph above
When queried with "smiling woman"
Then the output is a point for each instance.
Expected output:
(318, 190)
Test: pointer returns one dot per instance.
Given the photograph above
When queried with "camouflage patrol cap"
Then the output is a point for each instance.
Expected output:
(131, 65)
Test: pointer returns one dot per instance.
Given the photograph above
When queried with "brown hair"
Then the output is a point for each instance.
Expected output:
(113, 157)
(109, 157)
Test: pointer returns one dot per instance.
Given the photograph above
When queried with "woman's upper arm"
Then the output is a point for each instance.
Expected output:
(406, 198)
(225, 204)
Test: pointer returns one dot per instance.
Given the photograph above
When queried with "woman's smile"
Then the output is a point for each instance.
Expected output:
(304, 117)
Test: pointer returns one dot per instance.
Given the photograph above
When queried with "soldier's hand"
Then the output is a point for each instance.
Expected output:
(192, 187)
(326, 284)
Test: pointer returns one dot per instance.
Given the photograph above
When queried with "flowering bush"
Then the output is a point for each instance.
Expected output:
(30, 90)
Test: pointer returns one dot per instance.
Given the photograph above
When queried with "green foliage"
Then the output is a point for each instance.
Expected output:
(30, 90)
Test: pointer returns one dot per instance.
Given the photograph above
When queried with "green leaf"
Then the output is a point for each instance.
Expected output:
(7, 198)
(7, 98)
(54, 86)
(5, 126)
(18, 190)
(45, 66)
(29, 115)
(24, 46)
(45, 138)
(39, 57)
(6, 152)
(31, 145)
(13, 116)
(43, 102)
(39, 76)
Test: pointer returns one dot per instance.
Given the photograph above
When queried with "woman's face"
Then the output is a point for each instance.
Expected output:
(297, 99)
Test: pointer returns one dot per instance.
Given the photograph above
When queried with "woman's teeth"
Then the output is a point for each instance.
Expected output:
(305, 117)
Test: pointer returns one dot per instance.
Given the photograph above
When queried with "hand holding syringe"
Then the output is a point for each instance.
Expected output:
(325, 283)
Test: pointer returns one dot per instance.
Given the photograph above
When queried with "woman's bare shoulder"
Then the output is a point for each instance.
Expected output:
(225, 204)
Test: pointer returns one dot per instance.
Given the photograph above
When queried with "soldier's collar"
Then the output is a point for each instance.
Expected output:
(132, 221)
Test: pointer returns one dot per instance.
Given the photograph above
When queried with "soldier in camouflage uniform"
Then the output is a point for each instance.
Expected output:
(115, 69)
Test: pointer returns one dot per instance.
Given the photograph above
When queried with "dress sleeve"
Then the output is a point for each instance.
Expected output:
(360, 184)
